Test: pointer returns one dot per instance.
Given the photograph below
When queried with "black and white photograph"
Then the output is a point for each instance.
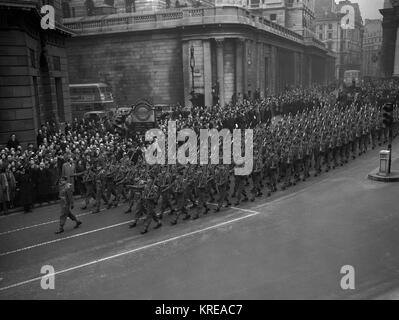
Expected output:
(204, 151)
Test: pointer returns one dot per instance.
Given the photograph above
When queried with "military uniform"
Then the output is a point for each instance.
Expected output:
(66, 204)
(202, 185)
(180, 194)
(89, 183)
(223, 185)
(150, 198)
(100, 188)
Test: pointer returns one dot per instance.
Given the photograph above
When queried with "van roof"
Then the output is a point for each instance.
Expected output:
(95, 112)
(80, 85)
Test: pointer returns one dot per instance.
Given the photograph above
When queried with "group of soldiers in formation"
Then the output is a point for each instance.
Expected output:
(286, 151)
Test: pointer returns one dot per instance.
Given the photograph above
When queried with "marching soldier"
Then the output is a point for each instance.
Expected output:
(181, 194)
(138, 190)
(150, 198)
(100, 188)
(66, 203)
(110, 187)
(256, 176)
(165, 190)
(239, 186)
(89, 183)
(202, 192)
(272, 166)
(223, 184)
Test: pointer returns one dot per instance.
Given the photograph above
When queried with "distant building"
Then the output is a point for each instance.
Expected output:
(345, 43)
(295, 15)
(390, 42)
(372, 44)
(34, 85)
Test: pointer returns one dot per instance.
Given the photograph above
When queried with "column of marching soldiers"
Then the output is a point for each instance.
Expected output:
(285, 152)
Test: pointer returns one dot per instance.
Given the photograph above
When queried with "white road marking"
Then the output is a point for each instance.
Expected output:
(65, 238)
(151, 245)
(41, 224)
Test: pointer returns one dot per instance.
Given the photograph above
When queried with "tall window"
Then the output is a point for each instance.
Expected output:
(37, 104)
(66, 10)
(32, 55)
(57, 63)
(60, 99)
(130, 5)
(89, 7)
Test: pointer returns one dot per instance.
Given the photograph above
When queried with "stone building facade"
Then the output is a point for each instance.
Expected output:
(345, 43)
(390, 42)
(34, 84)
(372, 44)
(148, 55)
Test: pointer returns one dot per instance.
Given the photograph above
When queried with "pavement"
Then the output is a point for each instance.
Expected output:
(292, 245)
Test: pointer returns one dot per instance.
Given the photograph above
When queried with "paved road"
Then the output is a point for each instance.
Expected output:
(291, 245)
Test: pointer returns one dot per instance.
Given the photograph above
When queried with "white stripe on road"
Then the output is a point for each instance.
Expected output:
(151, 245)
(65, 238)
(41, 224)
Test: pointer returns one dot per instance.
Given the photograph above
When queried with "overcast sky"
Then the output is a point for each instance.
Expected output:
(369, 8)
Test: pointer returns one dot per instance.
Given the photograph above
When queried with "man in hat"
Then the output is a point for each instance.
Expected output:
(66, 203)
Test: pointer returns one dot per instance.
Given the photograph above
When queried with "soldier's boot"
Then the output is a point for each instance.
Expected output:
(128, 210)
(195, 216)
(228, 204)
(96, 210)
(186, 216)
(133, 224)
(158, 225)
(174, 221)
(78, 223)
(109, 205)
(60, 230)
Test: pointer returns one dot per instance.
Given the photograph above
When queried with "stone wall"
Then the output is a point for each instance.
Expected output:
(27, 89)
(135, 66)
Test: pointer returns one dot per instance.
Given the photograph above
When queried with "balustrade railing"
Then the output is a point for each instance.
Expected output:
(88, 24)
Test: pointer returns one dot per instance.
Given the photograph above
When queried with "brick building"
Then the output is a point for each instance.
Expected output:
(33, 70)
(372, 44)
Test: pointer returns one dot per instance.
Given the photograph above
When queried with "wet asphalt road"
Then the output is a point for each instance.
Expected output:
(289, 246)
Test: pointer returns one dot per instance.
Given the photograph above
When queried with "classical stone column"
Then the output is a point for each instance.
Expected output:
(258, 66)
(207, 72)
(239, 67)
(220, 69)
(245, 67)
(186, 73)
(396, 62)
(273, 70)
